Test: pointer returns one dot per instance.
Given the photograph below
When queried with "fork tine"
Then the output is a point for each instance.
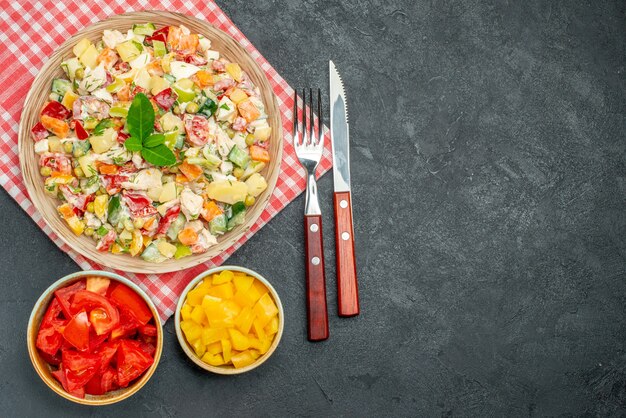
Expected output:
(320, 136)
(294, 131)
(303, 139)
(311, 119)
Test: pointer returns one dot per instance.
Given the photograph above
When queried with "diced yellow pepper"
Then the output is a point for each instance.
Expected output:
(185, 312)
(234, 70)
(239, 340)
(272, 327)
(116, 248)
(226, 349)
(257, 326)
(255, 354)
(100, 205)
(68, 99)
(248, 297)
(192, 331)
(244, 320)
(224, 291)
(225, 276)
(265, 309)
(242, 359)
(214, 348)
(197, 315)
(213, 360)
(137, 243)
(199, 348)
(243, 283)
(211, 335)
(195, 296)
(265, 345)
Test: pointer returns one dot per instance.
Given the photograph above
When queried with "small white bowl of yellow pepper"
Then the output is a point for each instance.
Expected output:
(229, 320)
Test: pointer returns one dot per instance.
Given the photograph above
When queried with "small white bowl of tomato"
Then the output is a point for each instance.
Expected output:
(94, 337)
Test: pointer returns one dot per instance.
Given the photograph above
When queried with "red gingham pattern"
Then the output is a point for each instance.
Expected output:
(31, 31)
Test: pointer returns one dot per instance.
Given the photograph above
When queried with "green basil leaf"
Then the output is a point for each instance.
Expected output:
(159, 156)
(102, 231)
(154, 140)
(140, 119)
(101, 126)
(133, 144)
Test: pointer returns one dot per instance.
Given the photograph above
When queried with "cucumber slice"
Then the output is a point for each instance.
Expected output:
(146, 29)
(152, 254)
(253, 167)
(70, 66)
(206, 163)
(239, 157)
(159, 49)
(169, 78)
(90, 185)
(176, 227)
(238, 215)
(60, 86)
(217, 226)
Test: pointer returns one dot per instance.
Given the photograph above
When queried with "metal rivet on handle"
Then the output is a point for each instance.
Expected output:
(343, 203)
(315, 261)
(314, 228)
(345, 236)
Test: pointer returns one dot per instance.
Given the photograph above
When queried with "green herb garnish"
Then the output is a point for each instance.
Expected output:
(101, 126)
(140, 122)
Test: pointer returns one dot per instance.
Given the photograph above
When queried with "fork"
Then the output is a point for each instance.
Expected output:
(309, 152)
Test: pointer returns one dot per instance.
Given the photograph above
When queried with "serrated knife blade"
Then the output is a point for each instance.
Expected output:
(347, 286)
(339, 131)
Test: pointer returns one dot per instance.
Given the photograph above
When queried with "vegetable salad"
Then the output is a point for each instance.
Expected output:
(153, 142)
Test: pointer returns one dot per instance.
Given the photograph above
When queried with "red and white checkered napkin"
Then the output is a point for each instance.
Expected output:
(30, 31)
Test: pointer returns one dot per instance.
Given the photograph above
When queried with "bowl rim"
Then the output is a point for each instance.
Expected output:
(145, 267)
(217, 369)
(31, 340)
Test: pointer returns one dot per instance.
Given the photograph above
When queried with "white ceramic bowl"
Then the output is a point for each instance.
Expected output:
(228, 369)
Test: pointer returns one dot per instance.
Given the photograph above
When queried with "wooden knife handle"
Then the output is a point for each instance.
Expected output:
(347, 286)
(317, 312)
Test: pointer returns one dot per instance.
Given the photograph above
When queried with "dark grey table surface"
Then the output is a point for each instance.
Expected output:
(489, 196)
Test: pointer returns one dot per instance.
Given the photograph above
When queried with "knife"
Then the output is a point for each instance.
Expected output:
(347, 286)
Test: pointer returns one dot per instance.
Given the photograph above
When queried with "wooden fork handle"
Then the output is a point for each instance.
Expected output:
(317, 312)
(347, 286)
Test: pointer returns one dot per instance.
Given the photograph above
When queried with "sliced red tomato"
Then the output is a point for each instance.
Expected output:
(103, 382)
(159, 35)
(49, 340)
(139, 204)
(38, 132)
(148, 330)
(124, 296)
(103, 316)
(64, 294)
(81, 133)
(98, 285)
(132, 361)
(166, 98)
(53, 360)
(60, 375)
(79, 368)
(56, 161)
(122, 137)
(147, 348)
(198, 129)
(76, 332)
(95, 340)
(128, 324)
(166, 221)
(55, 110)
(107, 353)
